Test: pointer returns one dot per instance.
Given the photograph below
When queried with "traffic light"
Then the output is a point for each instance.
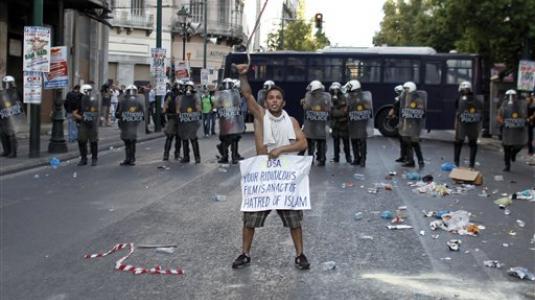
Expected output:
(318, 19)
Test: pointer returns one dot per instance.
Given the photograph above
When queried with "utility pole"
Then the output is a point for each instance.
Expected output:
(158, 125)
(256, 45)
(35, 109)
(282, 29)
(205, 17)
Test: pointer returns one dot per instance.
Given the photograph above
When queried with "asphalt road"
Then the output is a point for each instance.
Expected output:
(51, 218)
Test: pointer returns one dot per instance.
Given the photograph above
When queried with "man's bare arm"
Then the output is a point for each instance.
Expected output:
(253, 107)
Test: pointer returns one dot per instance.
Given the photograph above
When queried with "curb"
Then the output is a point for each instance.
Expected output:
(43, 161)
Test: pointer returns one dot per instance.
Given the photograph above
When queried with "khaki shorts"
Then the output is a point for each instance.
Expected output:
(290, 218)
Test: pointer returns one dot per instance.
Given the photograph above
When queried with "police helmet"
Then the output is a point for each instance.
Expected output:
(227, 83)
(131, 90)
(8, 82)
(409, 86)
(465, 85)
(315, 85)
(398, 89)
(335, 86)
(86, 89)
(352, 85)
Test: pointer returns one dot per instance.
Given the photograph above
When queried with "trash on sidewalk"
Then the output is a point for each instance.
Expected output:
(484, 193)
(328, 265)
(522, 273)
(347, 184)
(457, 222)
(164, 167)
(358, 176)
(366, 237)
(506, 212)
(166, 250)
(503, 202)
(493, 264)
(520, 223)
(397, 220)
(387, 215)
(422, 232)
(358, 216)
(447, 166)
(373, 190)
(412, 176)
(54, 162)
(218, 197)
(428, 178)
(436, 214)
(505, 245)
(222, 170)
(398, 227)
(498, 178)
(454, 245)
(74, 175)
(463, 175)
(382, 185)
(526, 195)
(512, 233)
(432, 189)
(36, 176)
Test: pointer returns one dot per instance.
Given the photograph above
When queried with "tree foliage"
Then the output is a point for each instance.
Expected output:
(499, 30)
(297, 35)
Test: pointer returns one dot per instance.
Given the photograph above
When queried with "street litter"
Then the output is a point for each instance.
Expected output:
(427, 178)
(328, 265)
(436, 214)
(358, 216)
(447, 166)
(532, 239)
(359, 176)
(435, 236)
(454, 245)
(54, 162)
(397, 220)
(445, 258)
(456, 222)
(493, 264)
(412, 176)
(222, 170)
(506, 212)
(484, 193)
(366, 237)
(392, 173)
(463, 175)
(36, 176)
(74, 175)
(521, 273)
(397, 227)
(166, 250)
(422, 232)
(219, 198)
(121, 266)
(373, 190)
(348, 184)
(512, 233)
(503, 202)
(520, 223)
(385, 186)
(433, 189)
(164, 167)
(505, 245)
(387, 215)
(526, 195)
(498, 177)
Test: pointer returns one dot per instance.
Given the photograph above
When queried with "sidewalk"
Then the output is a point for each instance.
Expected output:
(108, 137)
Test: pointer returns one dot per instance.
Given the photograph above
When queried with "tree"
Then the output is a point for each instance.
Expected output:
(297, 35)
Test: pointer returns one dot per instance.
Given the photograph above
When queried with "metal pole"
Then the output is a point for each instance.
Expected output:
(35, 109)
(282, 34)
(184, 32)
(158, 115)
(205, 17)
(57, 142)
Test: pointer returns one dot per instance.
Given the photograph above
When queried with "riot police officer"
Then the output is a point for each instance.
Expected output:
(360, 114)
(189, 117)
(10, 111)
(317, 106)
(339, 122)
(130, 113)
(171, 126)
(227, 103)
(394, 114)
(87, 116)
(413, 106)
(467, 122)
(513, 115)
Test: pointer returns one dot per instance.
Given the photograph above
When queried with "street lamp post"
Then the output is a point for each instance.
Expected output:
(184, 19)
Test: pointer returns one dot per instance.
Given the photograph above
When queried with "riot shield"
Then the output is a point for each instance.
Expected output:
(12, 116)
(89, 110)
(227, 104)
(515, 124)
(189, 116)
(261, 97)
(468, 117)
(317, 106)
(413, 107)
(170, 113)
(132, 114)
(360, 115)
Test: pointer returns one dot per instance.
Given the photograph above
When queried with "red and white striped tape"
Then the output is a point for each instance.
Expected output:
(121, 266)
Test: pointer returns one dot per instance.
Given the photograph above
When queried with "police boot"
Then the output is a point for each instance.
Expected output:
(82, 146)
(322, 149)
(196, 152)
(402, 151)
(409, 162)
(514, 152)
(457, 146)
(347, 152)
(94, 153)
(5, 145)
(126, 160)
(363, 152)
(473, 152)
(234, 150)
(185, 157)
(355, 146)
(132, 153)
(507, 158)
(178, 145)
(223, 150)
(336, 149)
(419, 155)
(311, 146)
(167, 147)
(12, 146)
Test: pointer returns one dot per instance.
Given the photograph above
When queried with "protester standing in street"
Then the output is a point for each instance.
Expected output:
(467, 122)
(87, 116)
(513, 116)
(281, 135)
(130, 114)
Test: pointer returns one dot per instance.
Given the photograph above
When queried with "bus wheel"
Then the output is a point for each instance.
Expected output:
(386, 126)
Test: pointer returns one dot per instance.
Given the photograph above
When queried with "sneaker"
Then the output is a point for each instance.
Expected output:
(242, 261)
(301, 262)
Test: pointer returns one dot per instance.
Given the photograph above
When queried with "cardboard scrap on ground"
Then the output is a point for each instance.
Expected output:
(464, 175)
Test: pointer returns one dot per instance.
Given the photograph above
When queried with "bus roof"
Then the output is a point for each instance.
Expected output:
(381, 50)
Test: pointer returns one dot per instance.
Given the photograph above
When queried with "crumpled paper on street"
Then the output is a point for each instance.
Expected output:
(431, 189)
(457, 222)
(526, 195)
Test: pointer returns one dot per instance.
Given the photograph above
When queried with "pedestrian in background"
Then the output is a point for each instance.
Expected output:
(114, 101)
(531, 122)
(71, 103)
(207, 107)
(105, 94)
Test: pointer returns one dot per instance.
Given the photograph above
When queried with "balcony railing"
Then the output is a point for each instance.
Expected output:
(215, 28)
(125, 18)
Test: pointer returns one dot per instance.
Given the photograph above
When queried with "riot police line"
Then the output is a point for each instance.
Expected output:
(347, 110)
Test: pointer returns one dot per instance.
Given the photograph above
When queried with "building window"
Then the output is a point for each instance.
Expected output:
(433, 73)
(223, 12)
(458, 71)
(363, 70)
(401, 70)
(137, 7)
(196, 11)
